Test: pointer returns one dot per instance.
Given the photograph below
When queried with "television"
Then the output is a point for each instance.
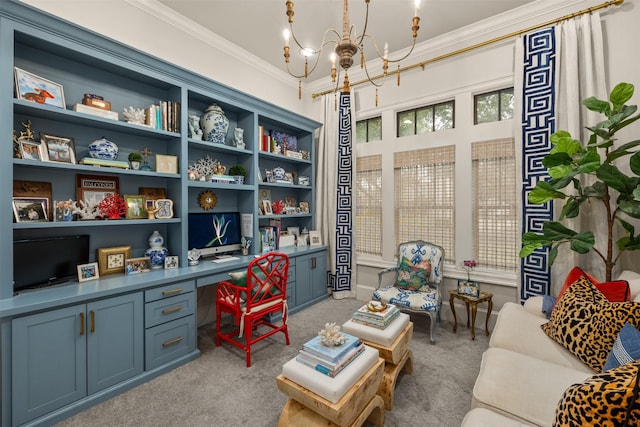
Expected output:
(48, 261)
(215, 233)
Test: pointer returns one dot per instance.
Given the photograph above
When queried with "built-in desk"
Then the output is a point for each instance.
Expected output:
(146, 321)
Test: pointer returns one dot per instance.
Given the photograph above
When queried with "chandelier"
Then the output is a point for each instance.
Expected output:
(345, 45)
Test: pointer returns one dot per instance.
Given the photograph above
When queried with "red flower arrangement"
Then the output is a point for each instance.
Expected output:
(113, 207)
(277, 207)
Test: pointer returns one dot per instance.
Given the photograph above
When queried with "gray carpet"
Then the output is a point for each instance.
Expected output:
(218, 390)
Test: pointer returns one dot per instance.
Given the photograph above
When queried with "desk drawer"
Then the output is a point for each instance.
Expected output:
(168, 341)
(165, 310)
(169, 290)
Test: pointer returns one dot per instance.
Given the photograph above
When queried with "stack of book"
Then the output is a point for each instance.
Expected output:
(330, 360)
(376, 319)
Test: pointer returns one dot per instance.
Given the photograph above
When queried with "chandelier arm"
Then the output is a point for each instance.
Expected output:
(366, 23)
(372, 79)
(302, 76)
(325, 40)
(406, 56)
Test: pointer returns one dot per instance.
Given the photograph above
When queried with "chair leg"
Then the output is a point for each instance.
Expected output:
(433, 317)
(248, 331)
(218, 318)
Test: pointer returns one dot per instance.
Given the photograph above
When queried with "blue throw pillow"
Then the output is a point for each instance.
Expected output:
(547, 304)
(626, 348)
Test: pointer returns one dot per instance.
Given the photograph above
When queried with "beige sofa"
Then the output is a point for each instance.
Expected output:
(524, 373)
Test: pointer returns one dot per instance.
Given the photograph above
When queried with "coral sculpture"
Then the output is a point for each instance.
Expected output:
(134, 115)
(330, 336)
(113, 207)
(277, 207)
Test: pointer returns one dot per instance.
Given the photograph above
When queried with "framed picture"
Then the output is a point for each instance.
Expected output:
(63, 210)
(88, 272)
(92, 189)
(137, 265)
(34, 189)
(136, 206)
(304, 207)
(59, 149)
(314, 238)
(30, 150)
(469, 288)
(111, 260)
(32, 209)
(303, 180)
(265, 207)
(293, 230)
(166, 163)
(164, 207)
(172, 262)
(153, 193)
(30, 87)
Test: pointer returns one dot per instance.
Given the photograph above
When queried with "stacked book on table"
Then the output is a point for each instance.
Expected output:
(330, 360)
(377, 319)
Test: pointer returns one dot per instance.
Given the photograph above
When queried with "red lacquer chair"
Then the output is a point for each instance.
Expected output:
(249, 297)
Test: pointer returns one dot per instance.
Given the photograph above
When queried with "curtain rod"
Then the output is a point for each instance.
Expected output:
(483, 44)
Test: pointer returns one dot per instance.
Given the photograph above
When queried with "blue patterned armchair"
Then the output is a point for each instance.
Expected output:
(414, 286)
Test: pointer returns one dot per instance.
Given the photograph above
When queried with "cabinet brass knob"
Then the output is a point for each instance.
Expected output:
(172, 310)
(172, 342)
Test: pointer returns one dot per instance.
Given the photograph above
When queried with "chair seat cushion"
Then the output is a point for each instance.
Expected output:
(384, 337)
(331, 389)
(415, 300)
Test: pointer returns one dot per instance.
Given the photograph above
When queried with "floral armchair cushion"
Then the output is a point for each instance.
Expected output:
(413, 276)
(418, 252)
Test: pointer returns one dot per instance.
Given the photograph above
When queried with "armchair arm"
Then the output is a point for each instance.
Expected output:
(229, 294)
(384, 274)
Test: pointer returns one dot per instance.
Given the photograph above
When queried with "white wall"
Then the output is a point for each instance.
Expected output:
(459, 77)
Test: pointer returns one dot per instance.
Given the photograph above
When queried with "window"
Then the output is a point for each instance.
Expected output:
(369, 205)
(426, 119)
(369, 130)
(493, 106)
(425, 197)
(495, 211)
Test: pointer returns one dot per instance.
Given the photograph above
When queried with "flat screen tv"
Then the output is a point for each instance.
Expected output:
(48, 261)
(215, 233)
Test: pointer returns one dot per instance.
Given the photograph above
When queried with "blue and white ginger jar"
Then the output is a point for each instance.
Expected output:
(103, 149)
(214, 124)
(156, 252)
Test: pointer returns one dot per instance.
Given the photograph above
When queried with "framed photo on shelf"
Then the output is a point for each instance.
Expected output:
(469, 288)
(293, 230)
(30, 150)
(92, 189)
(34, 189)
(136, 206)
(304, 207)
(30, 87)
(314, 238)
(164, 207)
(172, 261)
(30, 209)
(137, 265)
(58, 149)
(88, 272)
(265, 207)
(111, 260)
(166, 163)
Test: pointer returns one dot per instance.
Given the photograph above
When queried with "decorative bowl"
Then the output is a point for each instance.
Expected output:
(103, 149)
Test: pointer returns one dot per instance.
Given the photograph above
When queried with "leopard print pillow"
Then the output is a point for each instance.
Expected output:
(587, 324)
(610, 398)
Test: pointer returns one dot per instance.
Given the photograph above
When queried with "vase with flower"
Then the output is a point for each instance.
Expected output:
(469, 287)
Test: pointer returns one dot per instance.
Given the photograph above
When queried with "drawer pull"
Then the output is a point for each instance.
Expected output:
(172, 310)
(81, 324)
(93, 322)
(172, 342)
(172, 291)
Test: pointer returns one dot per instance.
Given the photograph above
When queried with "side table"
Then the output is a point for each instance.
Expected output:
(473, 301)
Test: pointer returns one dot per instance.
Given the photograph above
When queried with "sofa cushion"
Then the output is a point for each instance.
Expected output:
(626, 348)
(482, 417)
(518, 330)
(610, 398)
(616, 291)
(522, 387)
(587, 325)
(634, 282)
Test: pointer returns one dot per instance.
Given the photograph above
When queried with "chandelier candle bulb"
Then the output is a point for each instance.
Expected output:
(416, 8)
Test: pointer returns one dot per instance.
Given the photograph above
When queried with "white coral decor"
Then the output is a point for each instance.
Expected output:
(330, 336)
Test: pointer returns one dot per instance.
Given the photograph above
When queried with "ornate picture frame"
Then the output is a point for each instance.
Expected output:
(136, 206)
(164, 208)
(112, 260)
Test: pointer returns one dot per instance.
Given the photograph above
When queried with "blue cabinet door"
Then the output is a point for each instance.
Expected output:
(48, 361)
(311, 278)
(115, 340)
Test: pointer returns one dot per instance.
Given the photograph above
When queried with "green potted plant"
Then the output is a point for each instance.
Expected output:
(135, 158)
(238, 172)
(596, 179)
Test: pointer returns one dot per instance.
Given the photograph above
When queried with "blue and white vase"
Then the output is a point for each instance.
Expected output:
(103, 149)
(214, 124)
(156, 252)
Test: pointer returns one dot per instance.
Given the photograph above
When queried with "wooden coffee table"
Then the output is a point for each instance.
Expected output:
(359, 404)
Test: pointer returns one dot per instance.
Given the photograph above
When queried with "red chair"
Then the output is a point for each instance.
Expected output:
(252, 295)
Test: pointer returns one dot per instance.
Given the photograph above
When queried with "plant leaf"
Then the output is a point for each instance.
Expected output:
(612, 176)
(623, 150)
(571, 209)
(589, 162)
(553, 254)
(620, 94)
(583, 242)
(553, 230)
(543, 192)
(634, 163)
(597, 105)
(630, 207)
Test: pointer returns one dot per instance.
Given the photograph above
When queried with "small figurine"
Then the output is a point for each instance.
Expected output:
(194, 127)
(194, 256)
(238, 138)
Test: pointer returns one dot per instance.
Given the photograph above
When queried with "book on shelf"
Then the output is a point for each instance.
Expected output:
(375, 323)
(331, 354)
(102, 162)
(377, 319)
(87, 109)
(329, 369)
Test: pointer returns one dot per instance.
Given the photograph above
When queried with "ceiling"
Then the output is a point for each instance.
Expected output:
(257, 25)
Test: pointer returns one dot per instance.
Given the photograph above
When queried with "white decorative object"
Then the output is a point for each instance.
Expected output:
(193, 123)
(85, 210)
(238, 138)
(330, 336)
(193, 256)
(134, 115)
(156, 252)
(214, 124)
(103, 149)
